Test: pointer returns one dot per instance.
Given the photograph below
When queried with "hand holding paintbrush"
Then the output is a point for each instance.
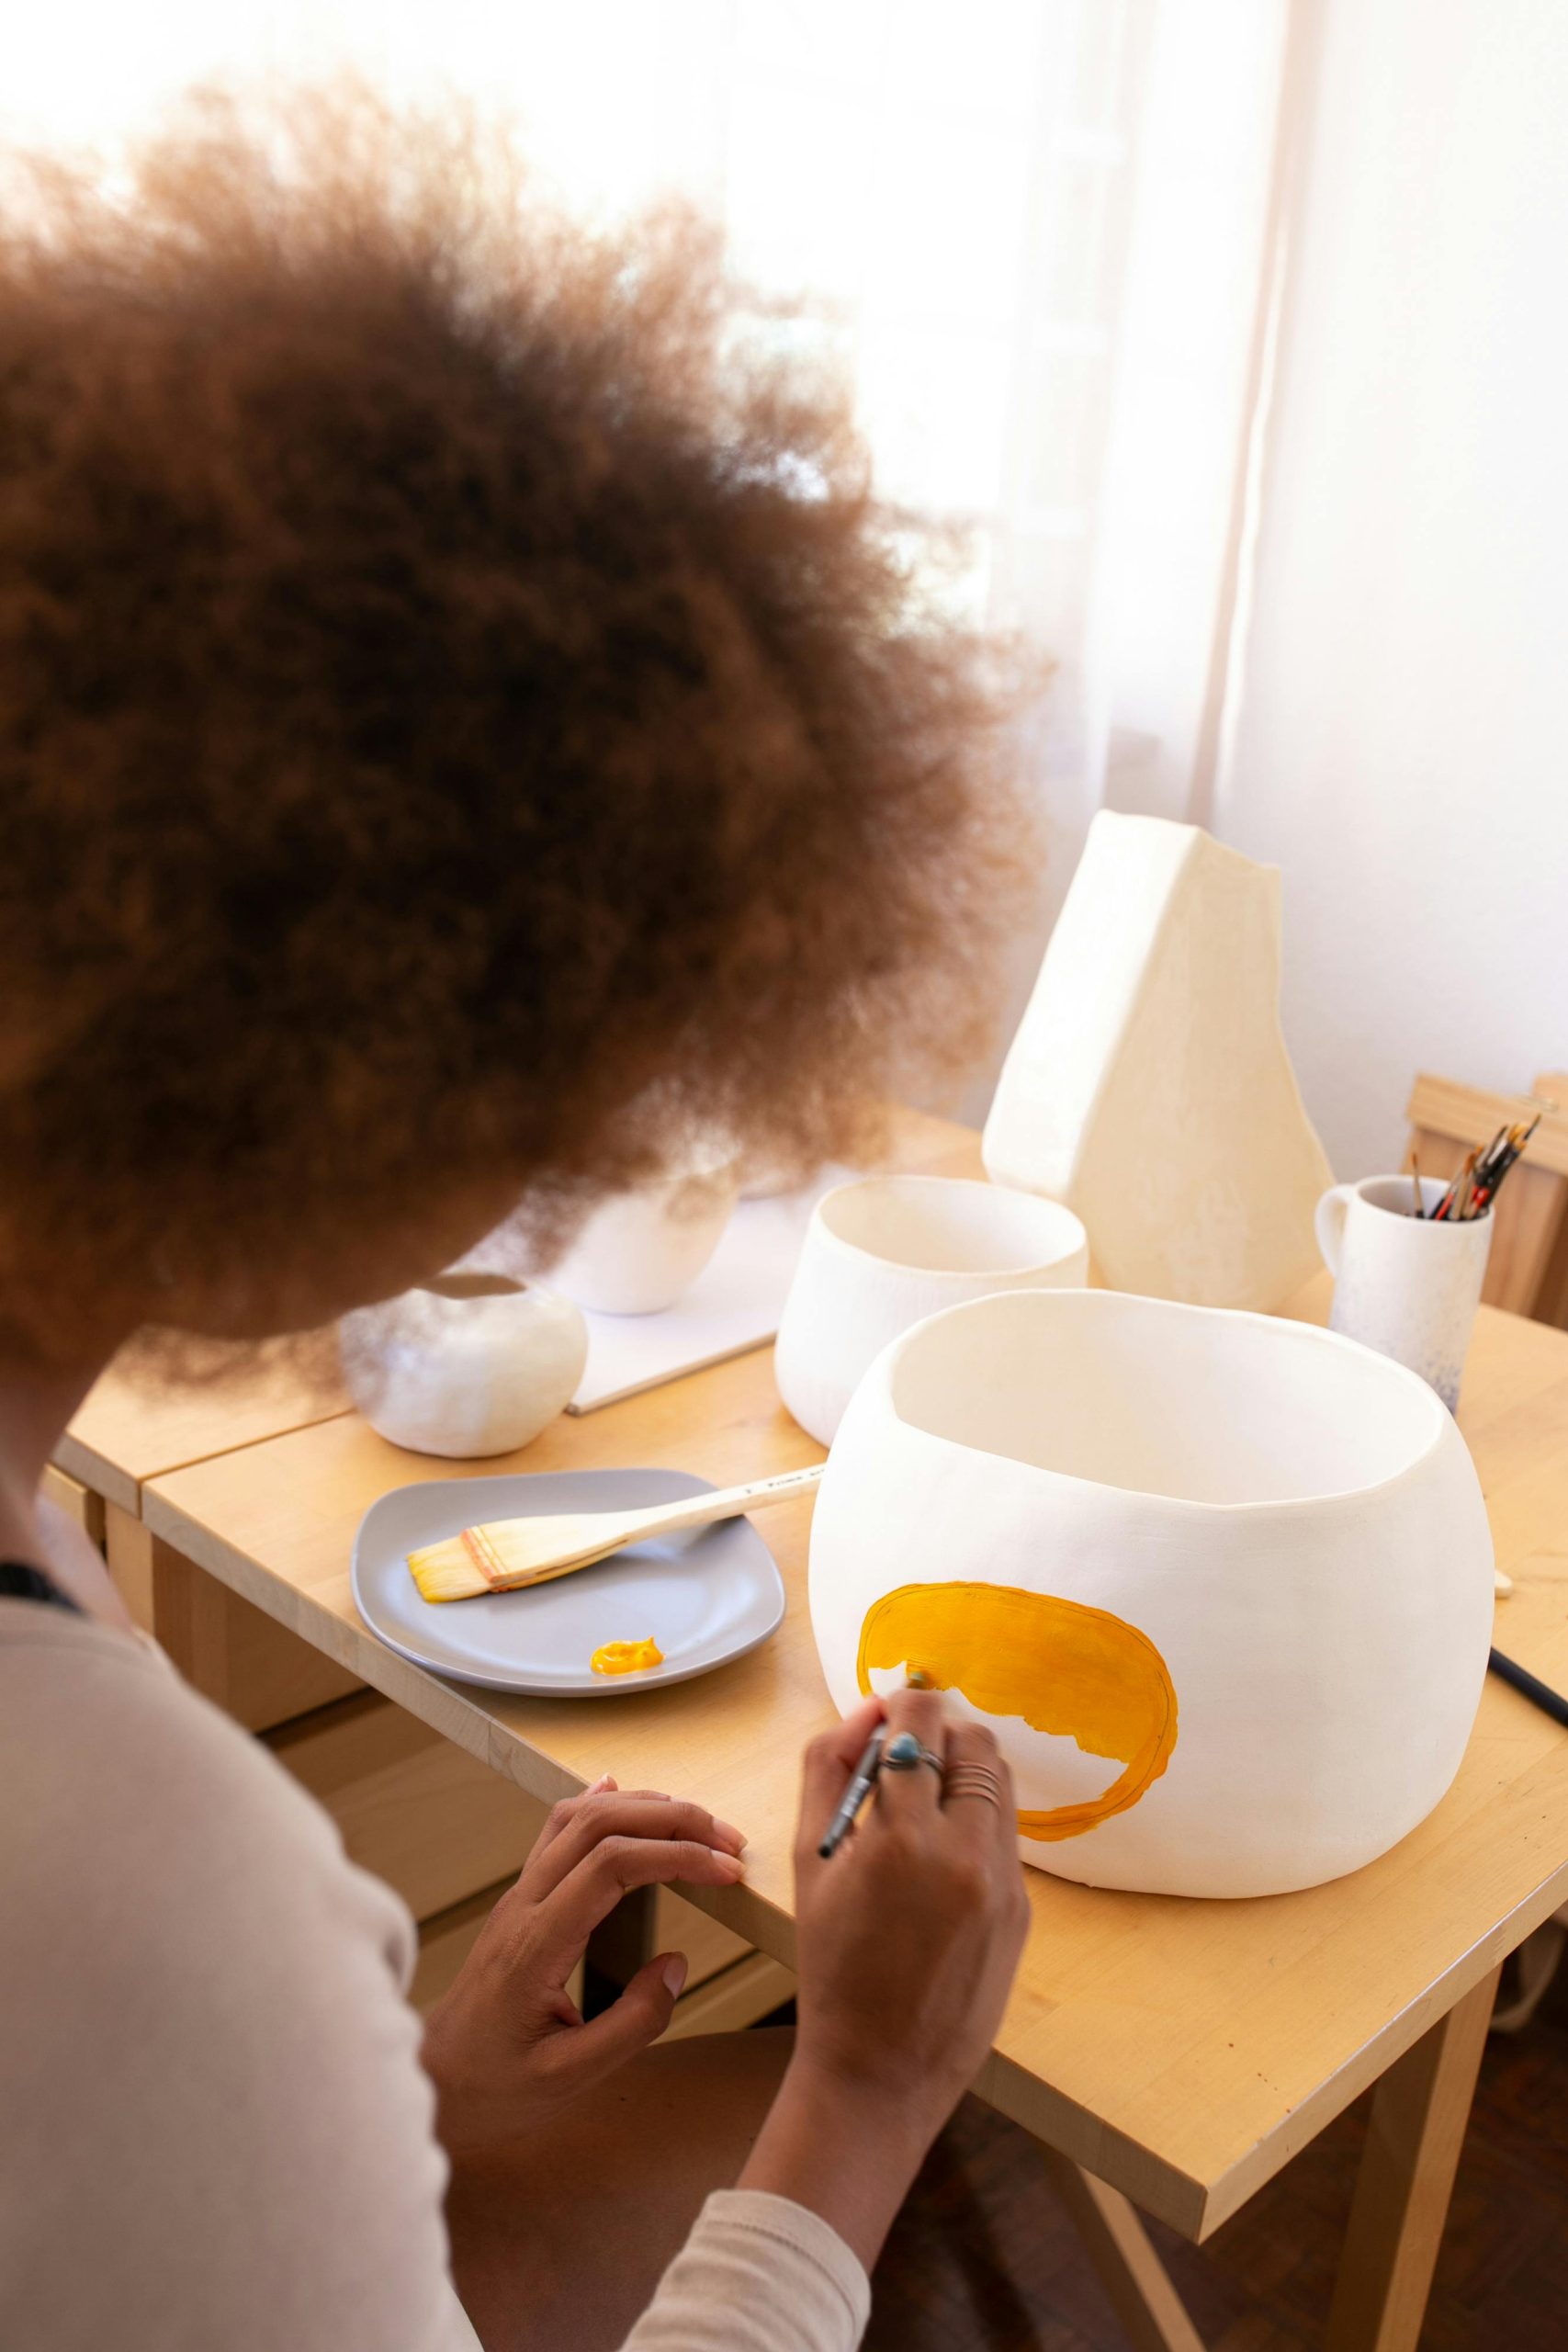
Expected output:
(905, 1943)
(903, 1751)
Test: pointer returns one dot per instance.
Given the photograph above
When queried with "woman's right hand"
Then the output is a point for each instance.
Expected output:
(910, 1935)
(907, 1939)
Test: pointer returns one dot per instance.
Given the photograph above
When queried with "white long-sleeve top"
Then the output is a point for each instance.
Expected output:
(214, 2126)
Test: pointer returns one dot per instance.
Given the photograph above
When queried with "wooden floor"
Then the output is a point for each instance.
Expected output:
(984, 2261)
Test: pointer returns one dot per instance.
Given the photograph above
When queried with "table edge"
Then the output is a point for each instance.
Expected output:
(79, 1459)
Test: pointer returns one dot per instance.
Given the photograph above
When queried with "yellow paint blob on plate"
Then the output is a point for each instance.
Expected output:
(1066, 1669)
(626, 1658)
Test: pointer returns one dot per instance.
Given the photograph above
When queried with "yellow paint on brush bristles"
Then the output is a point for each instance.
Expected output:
(477, 1561)
(458, 1568)
(1064, 1668)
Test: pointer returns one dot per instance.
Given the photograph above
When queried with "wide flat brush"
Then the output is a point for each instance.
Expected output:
(506, 1554)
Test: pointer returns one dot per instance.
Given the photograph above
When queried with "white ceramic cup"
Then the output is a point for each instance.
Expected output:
(471, 1363)
(1402, 1283)
(883, 1253)
(640, 1251)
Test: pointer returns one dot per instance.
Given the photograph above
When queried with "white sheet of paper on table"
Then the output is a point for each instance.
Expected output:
(735, 1304)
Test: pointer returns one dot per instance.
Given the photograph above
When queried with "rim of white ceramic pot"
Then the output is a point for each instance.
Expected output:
(473, 1282)
(1282, 1330)
(723, 1169)
(1070, 1227)
(1398, 1204)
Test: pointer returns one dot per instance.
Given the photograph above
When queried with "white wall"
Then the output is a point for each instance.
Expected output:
(1402, 739)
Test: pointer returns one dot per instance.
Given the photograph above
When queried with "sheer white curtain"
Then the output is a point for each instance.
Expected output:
(1035, 233)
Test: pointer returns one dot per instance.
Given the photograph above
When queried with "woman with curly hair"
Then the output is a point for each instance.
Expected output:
(463, 721)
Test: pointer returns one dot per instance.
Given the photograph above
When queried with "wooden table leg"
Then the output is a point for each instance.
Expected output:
(127, 1546)
(1130, 2270)
(233, 1652)
(1419, 2113)
(621, 1944)
(77, 1501)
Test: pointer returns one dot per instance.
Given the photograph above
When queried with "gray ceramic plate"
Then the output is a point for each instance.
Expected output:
(706, 1596)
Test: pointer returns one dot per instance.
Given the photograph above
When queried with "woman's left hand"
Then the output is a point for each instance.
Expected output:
(506, 2045)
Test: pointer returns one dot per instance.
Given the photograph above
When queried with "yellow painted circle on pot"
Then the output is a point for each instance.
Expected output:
(1066, 1669)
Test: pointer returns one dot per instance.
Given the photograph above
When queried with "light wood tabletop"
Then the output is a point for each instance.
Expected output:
(129, 1430)
(1180, 2051)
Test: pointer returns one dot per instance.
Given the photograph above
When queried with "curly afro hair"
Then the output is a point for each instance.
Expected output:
(464, 718)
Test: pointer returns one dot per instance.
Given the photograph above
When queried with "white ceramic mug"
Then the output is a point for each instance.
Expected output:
(881, 1254)
(1404, 1284)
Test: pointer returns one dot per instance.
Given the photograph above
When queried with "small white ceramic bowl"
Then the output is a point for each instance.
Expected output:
(640, 1251)
(471, 1363)
(881, 1254)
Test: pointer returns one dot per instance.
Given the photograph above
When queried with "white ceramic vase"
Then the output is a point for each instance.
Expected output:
(471, 1363)
(640, 1251)
(1221, 1583)
(1149, 1086)
(883, 1253)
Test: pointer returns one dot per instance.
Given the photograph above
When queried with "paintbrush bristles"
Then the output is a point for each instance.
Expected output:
(447, 1572)
(488, 1559)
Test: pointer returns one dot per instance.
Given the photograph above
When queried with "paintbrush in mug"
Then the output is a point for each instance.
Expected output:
(1473, 1189)
(509, 1554)
(1490, 1175)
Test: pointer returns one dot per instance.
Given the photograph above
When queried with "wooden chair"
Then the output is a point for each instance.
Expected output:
(1527, 1272)
(1528, 1269)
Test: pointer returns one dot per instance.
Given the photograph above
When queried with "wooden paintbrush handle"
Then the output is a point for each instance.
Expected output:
(700, 1510)
(624, 1528)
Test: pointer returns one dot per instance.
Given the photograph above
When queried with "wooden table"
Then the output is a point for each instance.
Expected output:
(1174, 2054)
(128, 1431)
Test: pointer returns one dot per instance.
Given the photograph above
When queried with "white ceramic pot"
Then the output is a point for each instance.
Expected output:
(468, 1364)
(1221, 1583)
(884, 1253)
(640, 1251)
